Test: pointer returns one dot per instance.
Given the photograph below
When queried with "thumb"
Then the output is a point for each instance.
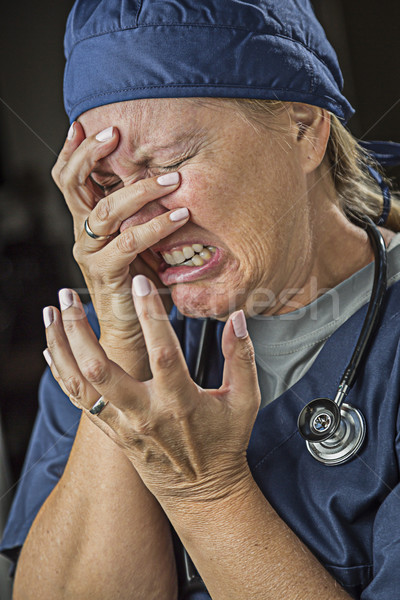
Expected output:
(240, 373)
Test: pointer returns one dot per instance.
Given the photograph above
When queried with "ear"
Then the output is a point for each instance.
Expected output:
(310, 131)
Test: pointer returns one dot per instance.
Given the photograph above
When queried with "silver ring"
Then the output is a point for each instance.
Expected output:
(90, 233)
(98, 406)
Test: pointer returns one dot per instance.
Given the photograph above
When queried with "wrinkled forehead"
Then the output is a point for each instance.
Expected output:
(153, 116)
(158, 126)
(158, 121)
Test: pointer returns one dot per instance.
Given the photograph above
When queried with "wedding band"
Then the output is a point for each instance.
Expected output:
(98, 406)
(90, 233)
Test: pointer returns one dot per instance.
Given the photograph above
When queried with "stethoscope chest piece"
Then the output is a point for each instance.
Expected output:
(333, 435)
(318, 420)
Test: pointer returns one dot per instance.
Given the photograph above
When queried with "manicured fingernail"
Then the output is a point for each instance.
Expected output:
(48, 316)
(49, 360)
(168, 179)
(179, 214)
(239, 324)
(105, 135)
(71, 132)
(47, 357)
(141, 286)
(66, 298)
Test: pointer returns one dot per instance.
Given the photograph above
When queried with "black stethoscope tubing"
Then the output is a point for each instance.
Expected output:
(375, 303)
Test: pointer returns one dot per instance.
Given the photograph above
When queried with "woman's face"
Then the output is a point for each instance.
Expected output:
(243, 185)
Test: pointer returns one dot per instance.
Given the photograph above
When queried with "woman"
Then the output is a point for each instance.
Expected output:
(235, 209)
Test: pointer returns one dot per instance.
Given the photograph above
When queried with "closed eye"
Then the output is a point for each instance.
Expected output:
(106, 189)
(175, 166)
(170, 167)
(109, 188)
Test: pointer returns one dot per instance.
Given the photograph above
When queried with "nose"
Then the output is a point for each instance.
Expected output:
(149, 211)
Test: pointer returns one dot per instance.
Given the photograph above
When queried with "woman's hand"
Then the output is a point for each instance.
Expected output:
(108, 265)
(184, 441)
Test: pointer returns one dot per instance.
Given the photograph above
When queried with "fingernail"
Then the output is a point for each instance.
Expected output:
(105, 135)
(49, 360)
(48, 316)
(168, 179)
(239, 324)
(47, 357)
(179, 214)
(141, 286)
(71, 131)
(66, 298)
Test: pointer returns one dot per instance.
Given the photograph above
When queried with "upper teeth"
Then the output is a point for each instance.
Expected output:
(194, 255)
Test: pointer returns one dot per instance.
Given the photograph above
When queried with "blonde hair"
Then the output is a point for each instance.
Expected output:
(357, 191)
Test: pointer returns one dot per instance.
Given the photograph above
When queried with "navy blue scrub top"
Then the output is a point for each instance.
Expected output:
(348, 515)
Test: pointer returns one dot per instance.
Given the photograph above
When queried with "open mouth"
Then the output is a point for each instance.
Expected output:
(187, 262)
(195, 255)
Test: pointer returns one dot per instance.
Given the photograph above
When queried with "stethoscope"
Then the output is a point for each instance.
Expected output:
(334, 430)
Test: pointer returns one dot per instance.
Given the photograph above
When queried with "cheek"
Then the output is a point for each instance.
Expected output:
(218, 197)
(250, 215)
(236, 216)
(203, 196)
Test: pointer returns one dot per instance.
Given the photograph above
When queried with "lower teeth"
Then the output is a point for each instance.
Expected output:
(198, 259)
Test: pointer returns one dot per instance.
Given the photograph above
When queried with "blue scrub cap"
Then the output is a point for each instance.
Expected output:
(130, 49)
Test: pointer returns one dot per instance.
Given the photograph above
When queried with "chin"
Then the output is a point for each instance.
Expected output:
(203, 303)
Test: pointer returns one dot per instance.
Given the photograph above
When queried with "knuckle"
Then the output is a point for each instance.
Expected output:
(165, 357)
(69, 324)
(177, 412)
(52, 343)
(95, 371)
(74, 386)
(246, 353)
(147, 186)
(143, 427)
(77, 253)
(126, 241)
(62, 176)
(157, 227)
(103, 210)
(55, 173)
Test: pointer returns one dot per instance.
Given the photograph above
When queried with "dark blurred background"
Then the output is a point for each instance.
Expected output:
(35, 227)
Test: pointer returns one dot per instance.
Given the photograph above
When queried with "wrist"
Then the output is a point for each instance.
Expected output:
(217, 523)
(197, 503)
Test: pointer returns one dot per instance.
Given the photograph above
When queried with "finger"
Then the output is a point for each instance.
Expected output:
(106, 377)
(240, 372)
(57, 377)
(73, 176)
(147, 263)
(166, 359)
(49, 360)
(111, 211)
(98, 420)
(117, 254)
(63, 365)
(75, 137)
